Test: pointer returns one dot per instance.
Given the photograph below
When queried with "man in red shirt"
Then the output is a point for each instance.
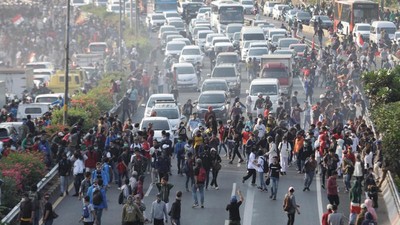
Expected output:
(326, 214)
(145, 82)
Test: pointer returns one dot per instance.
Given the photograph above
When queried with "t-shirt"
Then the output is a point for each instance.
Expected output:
(48, 207)
(233, 209)
(90, 218)
(275, 169)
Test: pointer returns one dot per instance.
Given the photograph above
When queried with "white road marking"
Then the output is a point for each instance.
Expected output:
(149, 190)
(248, 208)
(319, 197)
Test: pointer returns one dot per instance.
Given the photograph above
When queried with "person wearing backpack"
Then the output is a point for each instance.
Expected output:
(290, 206)
(99, 173)
(88, 213)
(199, 181)
(262, 167)
(98, 198)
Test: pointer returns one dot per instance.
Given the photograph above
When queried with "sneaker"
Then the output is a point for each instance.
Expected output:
(61, 194)
(240, 161)
(75, 195)
(230, 162)
(304, 189)
(195, 205)
(202, 206)
(274, 198)
(217, 188)
(253, 184)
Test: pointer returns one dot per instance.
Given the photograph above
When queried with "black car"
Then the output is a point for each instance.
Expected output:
(303, 17)
(218, 100)
(326, 22)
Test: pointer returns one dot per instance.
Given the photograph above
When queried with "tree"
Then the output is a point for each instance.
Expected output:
(382, 86)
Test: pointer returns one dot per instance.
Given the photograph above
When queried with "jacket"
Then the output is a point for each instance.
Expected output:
(131, 213)
(175, 212)
(332, 186)
(103, 204)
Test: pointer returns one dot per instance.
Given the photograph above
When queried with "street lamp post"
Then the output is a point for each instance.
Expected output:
(66, 100)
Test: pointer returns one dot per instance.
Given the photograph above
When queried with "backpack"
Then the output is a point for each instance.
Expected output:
(201, 178)
(121, 197)
(97, 197)
(265, 165)
(287, 204)
(85, 212)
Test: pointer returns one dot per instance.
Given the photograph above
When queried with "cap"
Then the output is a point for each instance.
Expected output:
(363, 206)
(329, 206)
(165, 146)
(233, 198)
(213, 150)
(291, 189)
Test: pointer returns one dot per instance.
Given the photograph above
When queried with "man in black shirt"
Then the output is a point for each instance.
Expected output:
(274, 169)
(233, 208)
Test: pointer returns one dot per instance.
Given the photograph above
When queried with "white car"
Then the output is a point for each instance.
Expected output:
(186, 75)
(362, 29)
(159, 124)
(174, 48)
(165, 28)
(277, 11)
(201, 38)
(268, 7)
(152, 101)
(113, 8)
(256, 52)
(284, 43)
(247, 6)
(171, 111)
(191, 54)
(204, 13)
(155, 19)
(232, 28)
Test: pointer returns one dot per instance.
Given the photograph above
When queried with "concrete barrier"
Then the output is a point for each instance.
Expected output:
(390, 195)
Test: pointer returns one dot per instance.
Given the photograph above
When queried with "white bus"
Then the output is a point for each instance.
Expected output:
(224, 12)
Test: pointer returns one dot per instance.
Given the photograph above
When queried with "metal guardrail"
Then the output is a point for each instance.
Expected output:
(393, 190)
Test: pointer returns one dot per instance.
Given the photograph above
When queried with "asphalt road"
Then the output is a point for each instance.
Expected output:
(257, 209)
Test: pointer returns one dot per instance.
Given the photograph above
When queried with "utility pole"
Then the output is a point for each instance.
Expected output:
(137, 17)
(130, 14)
(120, 37)
(66, 80)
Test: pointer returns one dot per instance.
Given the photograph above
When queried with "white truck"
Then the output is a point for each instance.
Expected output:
(17, 80)
(280, 67)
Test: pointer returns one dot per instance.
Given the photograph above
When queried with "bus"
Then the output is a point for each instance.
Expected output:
(160, 6)
(224, 13)
(350, 12)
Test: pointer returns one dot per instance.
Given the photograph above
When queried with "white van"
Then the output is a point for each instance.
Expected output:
(264, 86)
(251, 34)
(34, 109)
(378, 26)
(48, 98)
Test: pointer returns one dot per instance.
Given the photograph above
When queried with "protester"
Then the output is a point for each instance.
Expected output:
(233, 208)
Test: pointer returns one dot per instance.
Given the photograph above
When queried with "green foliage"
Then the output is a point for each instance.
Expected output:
(382, 86)
(386, 118)
(74, 115)
(9, 194)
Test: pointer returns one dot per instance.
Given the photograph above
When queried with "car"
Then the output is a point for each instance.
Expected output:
(218, 100)
(291, 14)
(230, 73)
(159, 124)
(191, 54)
(113, 8)
(186, 76)
(164, 36)
(9, 132)
(165, 28)
(48, 98)
(171, 111)
(174, 48)
(152, 101)
(179, 25)
(228, 57)
(201, 38)
(326, 21)
(256, 52)
(223, 47)
(303, 17)
(268, 8)
(247, 6)
(277, 11)
(216, 40)
(284, 43)
(34, 109)
(361, 29)
(209, 38)
(204, 13)
(299, 48)
(275, 38)
(196, 30)
(186, 40)
(98, 48)
(155, 19)
(232, 28)
(172, 37)
(215, 85)
(267, 87)
(285, 52)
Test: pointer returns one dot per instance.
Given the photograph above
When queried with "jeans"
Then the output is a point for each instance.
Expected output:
(37, 218)
(333, 199)
(347, 179)
(214, 178)
(122, 176)
(308, 178)
(63, 184)
(179, 164)
(99, 213)
(236, 152)
(290, 218)
(200, 187)
(207, 177)
(77, 182)
(220, 146)
(126, 111)
(251, 172)
(261, 179)
(188, 177)
(274, 186)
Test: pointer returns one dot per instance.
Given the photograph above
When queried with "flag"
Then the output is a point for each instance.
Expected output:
(17, 20)
(361, 40)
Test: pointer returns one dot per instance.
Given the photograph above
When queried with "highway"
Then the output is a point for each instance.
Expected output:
(257, 209)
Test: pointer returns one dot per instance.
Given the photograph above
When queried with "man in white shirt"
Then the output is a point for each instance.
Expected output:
(251, 168)
(158, 211)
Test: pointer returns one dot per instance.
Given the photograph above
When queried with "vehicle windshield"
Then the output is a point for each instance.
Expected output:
(254, 36)
(263, 89)
(214, 86)
(152, 101)
(389, 30)
(97, 48)
(275, 73)
(115, 8)
(157, 124)
(247, 3)
(223, 72)
(177, 24)
(175, 47)
(190, 52)
(184, 70)
(298, 48)
(324, 18)
(276, 38)
(3, 133)
(303, 15)
(158, 17)
(227, 59)
(233, 29)
(78, 1)
(283, 52)
(257, 52)
(236, 36)
(204, 10)
(46, 99)
(363, 28)
(203, 35)
(168, 15)
(286, 43)
(211, 98)
(169, 113)
(36, 66)
(231, 15)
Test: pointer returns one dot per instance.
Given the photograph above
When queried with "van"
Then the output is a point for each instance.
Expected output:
(34, 109)
(48, 98)
(76, 79)
(378, 26)
(40, 65)
(267, 87)
(251, 34)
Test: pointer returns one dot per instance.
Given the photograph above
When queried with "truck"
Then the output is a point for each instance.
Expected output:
(17, 80)
(86, 60)
(280, 67)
